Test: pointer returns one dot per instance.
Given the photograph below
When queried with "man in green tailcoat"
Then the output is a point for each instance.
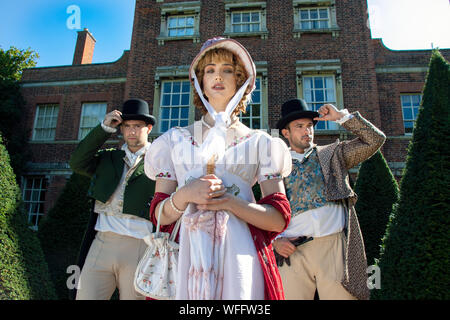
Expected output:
(113, 245)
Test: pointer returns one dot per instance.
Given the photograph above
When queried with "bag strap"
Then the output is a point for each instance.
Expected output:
(175, 230)
(177, 224)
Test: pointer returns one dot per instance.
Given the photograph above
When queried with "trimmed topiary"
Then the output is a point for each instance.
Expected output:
(23, 271)
(415, 259)
(377, 192)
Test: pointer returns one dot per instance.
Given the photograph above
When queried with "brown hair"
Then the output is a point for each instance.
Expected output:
(240, 72)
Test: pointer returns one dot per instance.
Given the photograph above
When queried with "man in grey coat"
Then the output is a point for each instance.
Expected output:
(323, 248)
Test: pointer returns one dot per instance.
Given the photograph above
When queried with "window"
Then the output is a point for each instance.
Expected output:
(249, 21)
(45, 122)
(319, 90)
(179, 26)
(34, 198)
(91, 115)
(245, 18)
(410, 108)
(180, 21)
(319, 82)
(173, 99)
(315, 16)
(175, 102)
(253, 118)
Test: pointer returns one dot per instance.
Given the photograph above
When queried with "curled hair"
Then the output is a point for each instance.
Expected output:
(221, 54)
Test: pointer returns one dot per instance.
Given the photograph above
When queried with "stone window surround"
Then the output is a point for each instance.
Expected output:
(235, 5)
(314, 4)
(179, 8)
(321, 67)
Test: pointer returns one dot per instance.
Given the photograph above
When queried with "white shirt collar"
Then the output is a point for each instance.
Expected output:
(300, 156)
(132, 157)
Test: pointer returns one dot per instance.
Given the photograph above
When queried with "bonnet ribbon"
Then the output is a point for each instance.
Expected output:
(215, 141)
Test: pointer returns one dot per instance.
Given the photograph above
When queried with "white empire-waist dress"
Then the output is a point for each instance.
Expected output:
(217, 256)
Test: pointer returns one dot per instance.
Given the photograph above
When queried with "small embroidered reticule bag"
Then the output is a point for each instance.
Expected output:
(156, 273)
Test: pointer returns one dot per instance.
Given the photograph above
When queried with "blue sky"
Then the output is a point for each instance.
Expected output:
(42, 25)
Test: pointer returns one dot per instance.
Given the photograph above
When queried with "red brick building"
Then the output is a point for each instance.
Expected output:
(319, 50)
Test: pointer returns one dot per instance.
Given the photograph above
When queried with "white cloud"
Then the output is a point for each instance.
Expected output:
(411, 24)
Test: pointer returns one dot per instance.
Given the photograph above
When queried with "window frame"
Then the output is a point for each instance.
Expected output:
(80, 128)
(250, 23)
(39, 202)
(249, 116)
(185, 26)
(329, 125)
(162, 107)
(170, 73)
(299, 5)
(36, 117)
(235, 6)
(179, 9)
(310, 20)
(410, 95)
(308, 68)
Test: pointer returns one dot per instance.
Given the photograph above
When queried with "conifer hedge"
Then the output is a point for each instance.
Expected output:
(23, 271)
(62, 230)
(415, 258)
(377, 192)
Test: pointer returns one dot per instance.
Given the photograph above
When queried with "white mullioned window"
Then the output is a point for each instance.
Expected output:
(179, 26)
(175, 98)
(246, 21)
(319, 90)
(314, 18)
(45, 122)
(253, 117)
(33, 195)
(410, 109)
(91, 115)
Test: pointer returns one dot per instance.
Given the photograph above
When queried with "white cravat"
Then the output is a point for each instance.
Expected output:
(215, 141)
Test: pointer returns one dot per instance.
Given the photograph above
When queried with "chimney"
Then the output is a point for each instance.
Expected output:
(84, 50)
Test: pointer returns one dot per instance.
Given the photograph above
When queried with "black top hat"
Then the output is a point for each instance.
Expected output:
(295, 109)
(137, 109)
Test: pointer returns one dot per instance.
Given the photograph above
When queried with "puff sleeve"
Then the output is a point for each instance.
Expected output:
(275, 161)
(158, 159)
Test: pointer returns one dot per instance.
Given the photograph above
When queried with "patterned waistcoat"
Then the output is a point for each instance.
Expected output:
(305, 186)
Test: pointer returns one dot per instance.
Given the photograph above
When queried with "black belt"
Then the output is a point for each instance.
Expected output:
(296, 242)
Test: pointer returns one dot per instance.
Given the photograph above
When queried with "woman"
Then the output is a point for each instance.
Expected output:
(207, 171)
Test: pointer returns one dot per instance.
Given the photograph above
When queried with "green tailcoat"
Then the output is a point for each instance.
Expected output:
(105, 167)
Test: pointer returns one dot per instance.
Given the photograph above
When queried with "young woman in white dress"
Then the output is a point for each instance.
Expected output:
(207, 171)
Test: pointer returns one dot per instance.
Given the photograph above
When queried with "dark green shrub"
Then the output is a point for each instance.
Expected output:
(23, 271)
(377, 191)
(414, 257)
(15, 137)
(62, 230)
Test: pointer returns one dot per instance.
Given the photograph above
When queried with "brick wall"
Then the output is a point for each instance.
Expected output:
(375, 94)
(280, 50)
